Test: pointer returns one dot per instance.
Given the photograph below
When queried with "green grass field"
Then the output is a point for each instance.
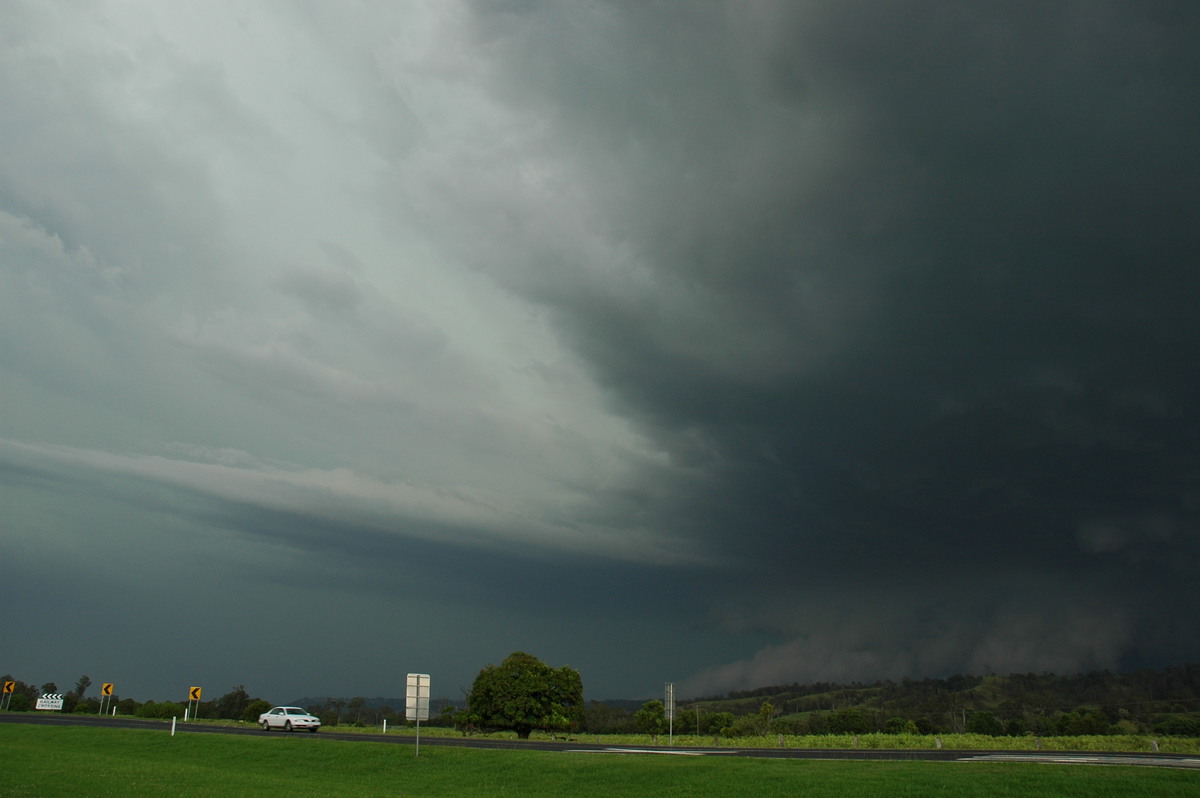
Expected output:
(1129, 743)
(75, 761)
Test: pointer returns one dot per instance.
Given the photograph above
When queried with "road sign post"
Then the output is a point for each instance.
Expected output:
(106, 691)
(194, 694)
(6, 697)
(669, 711)
(416, 702)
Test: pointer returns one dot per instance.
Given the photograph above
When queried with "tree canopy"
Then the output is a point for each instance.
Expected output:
(523, 693)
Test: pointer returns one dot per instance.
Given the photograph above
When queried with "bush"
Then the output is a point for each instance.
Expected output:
(744, 726)
(650, 719)
(87, 706)
(715, 722)
(848, 721)
(254, 709)
(900, 726)
(1015, 728)
(160, 709)
(985, 723)
(1078, 724)
(1179, 726)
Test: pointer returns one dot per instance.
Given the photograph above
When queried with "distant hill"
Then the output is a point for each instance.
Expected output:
(1142, 698)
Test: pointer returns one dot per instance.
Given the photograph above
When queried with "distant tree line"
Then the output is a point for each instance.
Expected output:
(524, 694)
(1100, 702)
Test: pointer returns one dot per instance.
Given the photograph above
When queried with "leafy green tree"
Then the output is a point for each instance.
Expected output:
(753, 725)
(1179, 725)
(1015, 727)
(985, 723)
(716, 722)
(651, 718)
(766, 712)
(466, 721)
(523, 693)
(355, 707)
(1082, 723)
(254, 709)
(901, 726)
(231, 705)
(848, 721)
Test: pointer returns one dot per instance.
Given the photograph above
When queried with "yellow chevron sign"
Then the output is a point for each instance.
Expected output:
(106, 689)
(194, 694)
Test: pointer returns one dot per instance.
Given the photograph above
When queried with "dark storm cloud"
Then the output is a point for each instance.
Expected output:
(909, 288)
(763, 341)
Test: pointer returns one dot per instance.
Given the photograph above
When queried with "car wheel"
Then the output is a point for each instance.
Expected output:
(266, 726)
(287, 726)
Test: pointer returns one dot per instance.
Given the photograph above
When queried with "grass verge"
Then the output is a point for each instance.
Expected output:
(78, 761)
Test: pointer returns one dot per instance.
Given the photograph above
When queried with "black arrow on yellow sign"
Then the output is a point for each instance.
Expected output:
(9, 686)
(194, 694)
(106, 689)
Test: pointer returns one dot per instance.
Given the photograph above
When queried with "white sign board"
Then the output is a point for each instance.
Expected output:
(52, 701)
(416, 698)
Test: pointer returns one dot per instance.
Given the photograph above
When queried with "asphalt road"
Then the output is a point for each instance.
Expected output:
(580, 747)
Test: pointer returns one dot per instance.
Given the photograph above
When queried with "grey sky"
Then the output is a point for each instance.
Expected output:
(726, 344)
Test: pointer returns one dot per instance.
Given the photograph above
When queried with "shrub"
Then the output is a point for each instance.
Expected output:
(848, 721)
(1179, 726)
(715, 722)
(160, 709)
(985, 723)
(900, 726)
(254, 709)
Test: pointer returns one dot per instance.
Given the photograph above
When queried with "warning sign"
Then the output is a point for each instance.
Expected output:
(50, 701)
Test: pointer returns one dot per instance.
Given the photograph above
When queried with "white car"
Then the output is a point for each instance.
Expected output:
(288, 719)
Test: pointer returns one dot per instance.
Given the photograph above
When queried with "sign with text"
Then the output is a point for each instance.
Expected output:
(416, 699)
(50, 701)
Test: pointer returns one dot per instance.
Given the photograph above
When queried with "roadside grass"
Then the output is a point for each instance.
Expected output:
(1123, 743)
(79, 761)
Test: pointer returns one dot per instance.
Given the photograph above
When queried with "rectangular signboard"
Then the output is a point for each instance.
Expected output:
(51, 701)
(416, 699)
